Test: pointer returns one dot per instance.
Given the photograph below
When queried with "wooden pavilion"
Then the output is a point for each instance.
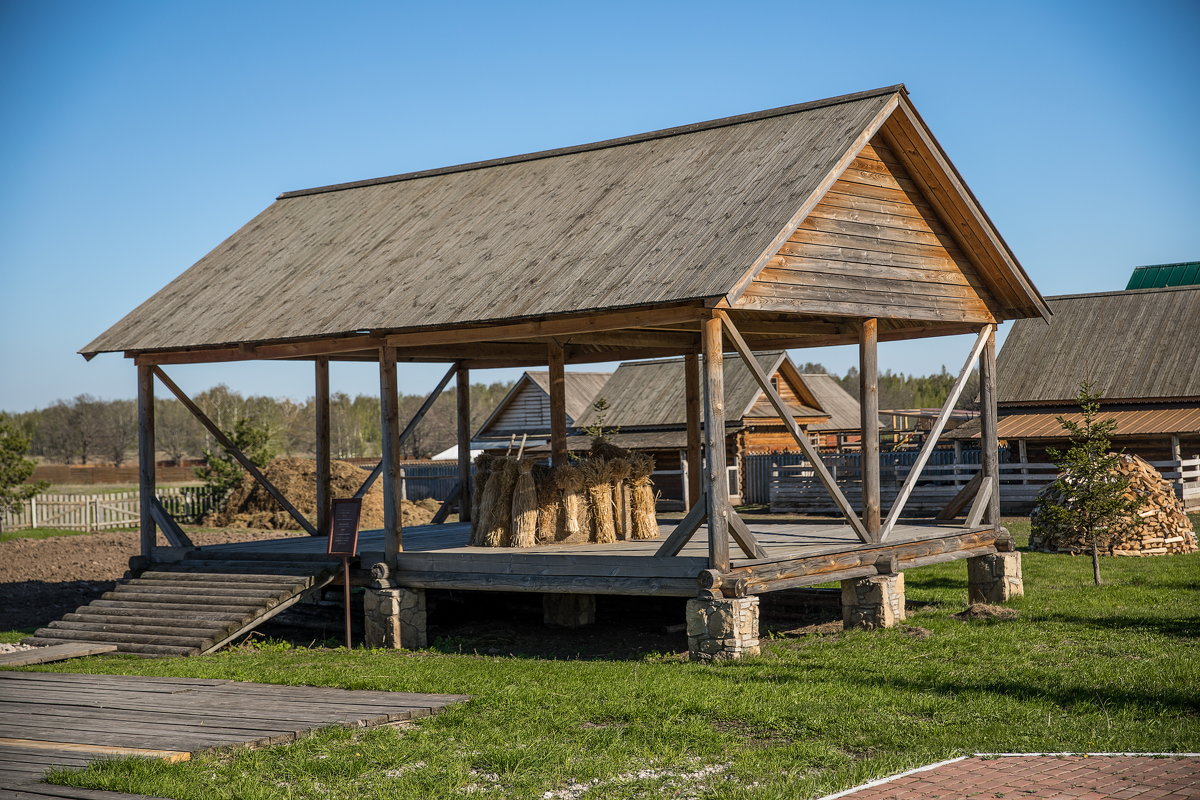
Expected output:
(839, 221)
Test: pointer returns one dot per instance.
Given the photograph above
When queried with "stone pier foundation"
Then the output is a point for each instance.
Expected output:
(569, 610)
(873, 602)
(994, 578)
(395, 618)
(722, 628)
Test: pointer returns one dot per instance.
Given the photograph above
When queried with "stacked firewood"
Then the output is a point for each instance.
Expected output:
(1159, 527)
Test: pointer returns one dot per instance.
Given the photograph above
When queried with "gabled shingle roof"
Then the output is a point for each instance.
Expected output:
(650, 394)
(1133, 345)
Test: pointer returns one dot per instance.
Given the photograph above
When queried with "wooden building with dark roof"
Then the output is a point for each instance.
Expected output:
(839, 221)
(524, 413)
(1140, 349)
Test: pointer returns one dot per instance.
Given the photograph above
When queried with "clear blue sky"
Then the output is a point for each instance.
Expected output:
(138, 135)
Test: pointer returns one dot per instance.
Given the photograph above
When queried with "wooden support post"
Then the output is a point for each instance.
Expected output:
(1176, 450)
(323, 454)
(868, 402)
(463, 393)
(716, 477)
(685, 479)
(558, 404)
(691, 386)
(389, 411)
(146, 450)
(989, 444)
(232, 449)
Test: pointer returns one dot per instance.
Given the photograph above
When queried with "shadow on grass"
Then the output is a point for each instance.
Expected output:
(1180, 627)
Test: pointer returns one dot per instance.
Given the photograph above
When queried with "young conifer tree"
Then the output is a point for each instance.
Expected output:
(1088, 500)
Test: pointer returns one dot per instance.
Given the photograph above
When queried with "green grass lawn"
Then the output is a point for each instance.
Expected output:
(1114, 668)
(37, 533)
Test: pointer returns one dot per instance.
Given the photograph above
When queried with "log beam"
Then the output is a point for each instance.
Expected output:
(393, 491)
(558, 404)
(463, 397)
(716, 477)
(322, 447)
(691, 388)
(989, 443)
(868, 402)
(146, 461)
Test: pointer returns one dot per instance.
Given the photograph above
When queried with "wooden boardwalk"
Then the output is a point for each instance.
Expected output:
(67, 720)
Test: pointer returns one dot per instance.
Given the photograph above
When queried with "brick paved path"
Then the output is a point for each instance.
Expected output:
(1046, 778)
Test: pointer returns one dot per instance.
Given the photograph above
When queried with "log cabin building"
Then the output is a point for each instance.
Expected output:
(838, 221)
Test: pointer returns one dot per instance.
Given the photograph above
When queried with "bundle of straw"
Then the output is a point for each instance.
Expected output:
(498, 523)
(524, 507)
(483, 470)
(569, 480)
(617, 470)
(549, 505)
(490, 481)
(599, 491)
(645, 522)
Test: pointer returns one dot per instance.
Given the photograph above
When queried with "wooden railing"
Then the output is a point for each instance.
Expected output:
(794, 488)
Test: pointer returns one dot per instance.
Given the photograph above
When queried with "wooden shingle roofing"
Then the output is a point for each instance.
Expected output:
(1133, 345)
(688, 214)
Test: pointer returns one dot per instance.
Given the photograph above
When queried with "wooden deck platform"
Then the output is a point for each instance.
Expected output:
(437, 556)
(67, 720)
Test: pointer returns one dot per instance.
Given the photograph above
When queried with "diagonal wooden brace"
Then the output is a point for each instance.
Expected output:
(232, 449)
(931, 438)
(785, 415)
(408, 429)
(684, 531)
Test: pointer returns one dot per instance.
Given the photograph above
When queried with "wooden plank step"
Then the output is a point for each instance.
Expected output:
(121, 638)
(165, 630)
(55, 652)
(222, 577)
(170, 618)
(190, 591)
(282, 582)
(180, 604)
(258, 569)
(140, 649)
(264, 556)
(124, 607)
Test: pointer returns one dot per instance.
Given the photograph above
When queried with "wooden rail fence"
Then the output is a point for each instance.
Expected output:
(106, 511)
(794, 488)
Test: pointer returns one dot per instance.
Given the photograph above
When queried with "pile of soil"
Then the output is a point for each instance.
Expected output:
(986, 611)
(1160, 527)
(249, 505)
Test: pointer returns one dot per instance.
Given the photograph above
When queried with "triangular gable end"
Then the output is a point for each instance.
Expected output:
(525, 408)
(791, 388)
(893, 234)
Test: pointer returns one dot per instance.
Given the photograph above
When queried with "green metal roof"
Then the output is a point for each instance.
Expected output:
(1157, 276)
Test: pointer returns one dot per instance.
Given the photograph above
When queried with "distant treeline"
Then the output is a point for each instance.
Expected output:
(85, 430)
(897, 390)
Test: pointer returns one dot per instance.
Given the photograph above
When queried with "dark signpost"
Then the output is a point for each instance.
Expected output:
(343, 541)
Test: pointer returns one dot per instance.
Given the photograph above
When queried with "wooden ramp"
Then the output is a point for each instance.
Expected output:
(189, 608)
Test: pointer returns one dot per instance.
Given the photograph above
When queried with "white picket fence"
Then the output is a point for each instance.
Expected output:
(97, 512)
(795, 488)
